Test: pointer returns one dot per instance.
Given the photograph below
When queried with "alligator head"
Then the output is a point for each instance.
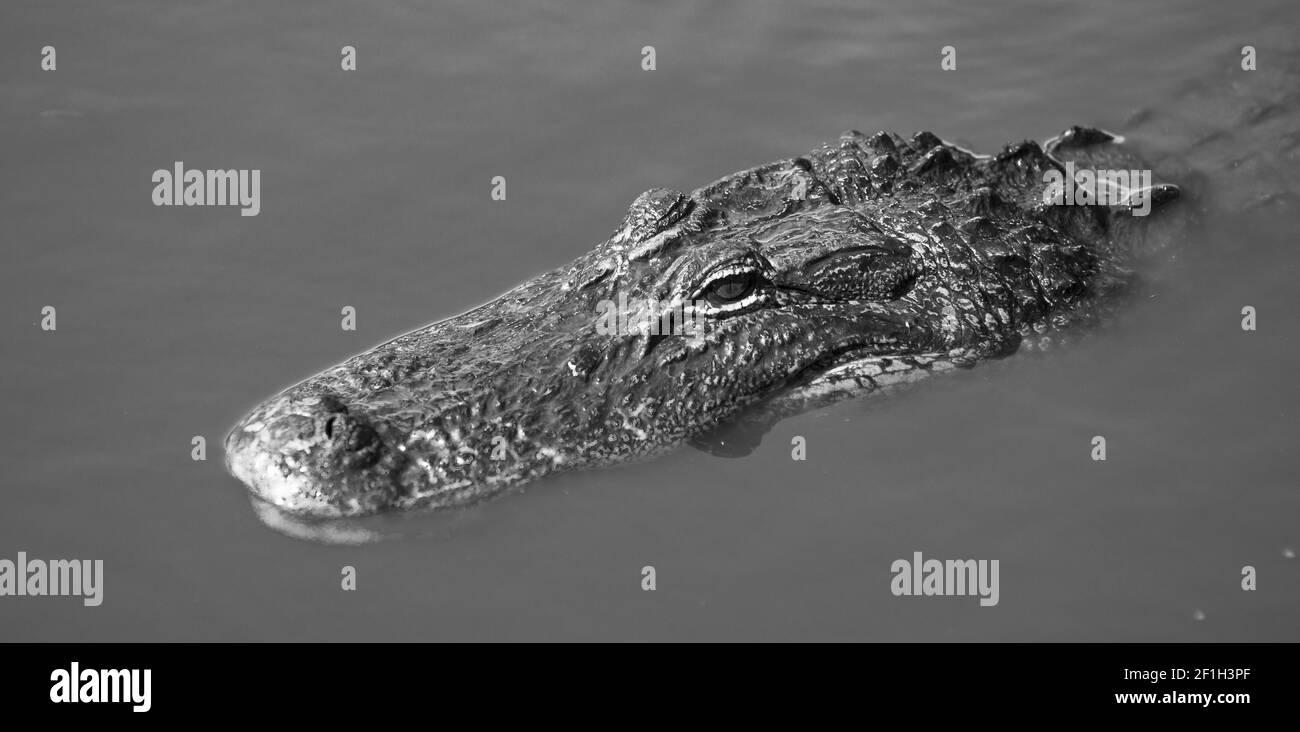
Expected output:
(867, 263)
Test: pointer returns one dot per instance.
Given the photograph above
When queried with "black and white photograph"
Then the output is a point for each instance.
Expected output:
(335, 329)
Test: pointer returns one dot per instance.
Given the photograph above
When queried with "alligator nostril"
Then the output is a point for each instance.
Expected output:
(359, 436)
(353, 440)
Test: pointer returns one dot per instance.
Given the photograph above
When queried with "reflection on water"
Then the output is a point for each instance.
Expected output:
(174, 321)
(341, 531)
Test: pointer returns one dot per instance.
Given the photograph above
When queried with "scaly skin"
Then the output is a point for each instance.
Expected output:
(867, 263)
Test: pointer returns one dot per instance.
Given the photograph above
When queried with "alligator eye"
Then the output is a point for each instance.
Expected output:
(731, 289)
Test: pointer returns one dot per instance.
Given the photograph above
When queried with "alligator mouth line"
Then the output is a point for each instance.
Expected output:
(837, 359)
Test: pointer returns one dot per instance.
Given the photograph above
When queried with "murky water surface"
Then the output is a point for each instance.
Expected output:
(173, 321)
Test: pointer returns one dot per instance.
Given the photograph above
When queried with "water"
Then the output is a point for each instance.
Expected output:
(173, 321)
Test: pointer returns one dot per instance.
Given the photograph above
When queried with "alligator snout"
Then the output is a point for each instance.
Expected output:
(349, 440)
(310, 452)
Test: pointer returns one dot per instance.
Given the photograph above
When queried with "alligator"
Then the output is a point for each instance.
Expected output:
(869, 263)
